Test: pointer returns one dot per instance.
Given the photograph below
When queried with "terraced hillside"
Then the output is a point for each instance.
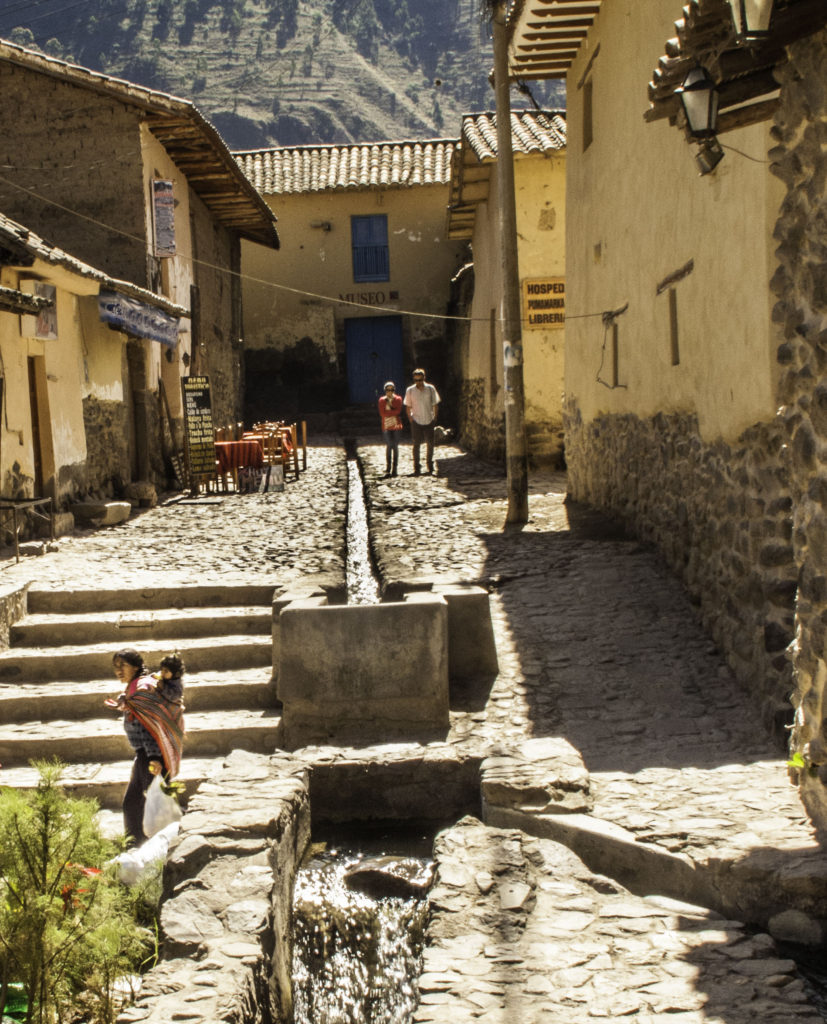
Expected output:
(284, 72)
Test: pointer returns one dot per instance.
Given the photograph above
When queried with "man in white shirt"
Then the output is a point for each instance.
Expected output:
(421, 405)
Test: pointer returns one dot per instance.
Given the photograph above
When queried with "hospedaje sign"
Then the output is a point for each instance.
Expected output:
(544, 303)
(138, 318)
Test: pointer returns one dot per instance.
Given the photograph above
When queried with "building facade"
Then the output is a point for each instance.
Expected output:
(360, 289)
(539, 146)
(137, 183)
(694, 370)
(62, 353)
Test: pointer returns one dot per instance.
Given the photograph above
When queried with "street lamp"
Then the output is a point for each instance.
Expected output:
(700, 103)
(751, 18)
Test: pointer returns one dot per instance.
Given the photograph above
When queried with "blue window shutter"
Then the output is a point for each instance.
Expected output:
(369, 238)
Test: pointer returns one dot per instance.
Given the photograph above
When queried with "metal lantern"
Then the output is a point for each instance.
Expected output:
(700, 103)
(751, 18)
(709, 155)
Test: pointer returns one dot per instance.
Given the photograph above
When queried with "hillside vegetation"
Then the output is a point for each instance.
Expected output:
(285, 72)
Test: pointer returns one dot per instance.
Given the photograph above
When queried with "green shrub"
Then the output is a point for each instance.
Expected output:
(67, 926)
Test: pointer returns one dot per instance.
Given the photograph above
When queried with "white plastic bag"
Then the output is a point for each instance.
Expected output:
(160, 809)
(149, 857)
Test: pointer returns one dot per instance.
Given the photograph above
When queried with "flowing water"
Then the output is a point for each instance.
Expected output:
(362, 584)
(356, 957)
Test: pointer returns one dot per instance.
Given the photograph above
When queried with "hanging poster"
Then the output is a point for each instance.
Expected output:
(163, 209)
(200, 436)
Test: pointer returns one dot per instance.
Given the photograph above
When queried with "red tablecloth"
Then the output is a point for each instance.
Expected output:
(236, 454)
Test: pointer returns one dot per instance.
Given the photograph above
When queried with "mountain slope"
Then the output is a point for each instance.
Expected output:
(285, 72)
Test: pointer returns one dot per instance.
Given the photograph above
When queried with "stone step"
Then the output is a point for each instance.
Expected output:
(203, 691)
(208, 734)
(42, 599)
(135, 627)
(94, 661)
(106, 782)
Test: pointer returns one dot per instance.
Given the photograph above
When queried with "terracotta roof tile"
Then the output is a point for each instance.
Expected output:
(291, 169)
(532, 131)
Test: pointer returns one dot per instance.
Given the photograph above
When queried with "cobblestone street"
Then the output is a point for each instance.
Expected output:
(597, 642)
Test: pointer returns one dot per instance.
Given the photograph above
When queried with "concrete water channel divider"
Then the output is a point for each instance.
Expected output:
(266, 669)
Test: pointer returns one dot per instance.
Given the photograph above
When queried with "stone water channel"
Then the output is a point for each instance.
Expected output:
(362, 583)
(359, 900)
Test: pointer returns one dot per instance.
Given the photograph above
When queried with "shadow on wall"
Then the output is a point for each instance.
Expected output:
(291, 383)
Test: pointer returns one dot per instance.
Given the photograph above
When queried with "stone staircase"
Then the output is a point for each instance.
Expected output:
(58, 670)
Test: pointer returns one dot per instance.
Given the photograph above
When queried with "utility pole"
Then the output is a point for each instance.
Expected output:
(512, 338)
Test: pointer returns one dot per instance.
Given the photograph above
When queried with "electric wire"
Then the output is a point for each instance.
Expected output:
(262, 281)
(740, 152)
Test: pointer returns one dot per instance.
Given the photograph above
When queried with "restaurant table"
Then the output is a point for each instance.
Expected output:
(234, 455)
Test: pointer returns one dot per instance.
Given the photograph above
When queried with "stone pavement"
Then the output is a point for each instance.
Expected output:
(597, 643)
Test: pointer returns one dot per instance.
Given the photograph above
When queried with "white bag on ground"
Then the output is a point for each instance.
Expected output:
(160, 809)
(143, 860)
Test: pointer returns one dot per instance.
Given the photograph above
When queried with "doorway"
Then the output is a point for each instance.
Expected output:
(373, 348)
(43, 459)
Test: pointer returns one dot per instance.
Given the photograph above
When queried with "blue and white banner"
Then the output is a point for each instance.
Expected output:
(138, 318)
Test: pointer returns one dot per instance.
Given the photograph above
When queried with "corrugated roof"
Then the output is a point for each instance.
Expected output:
(533, 132)
(21, 247)
(294, 169)
(545, 35)
(191, 141)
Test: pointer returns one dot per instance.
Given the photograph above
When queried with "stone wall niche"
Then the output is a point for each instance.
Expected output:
(362, 674)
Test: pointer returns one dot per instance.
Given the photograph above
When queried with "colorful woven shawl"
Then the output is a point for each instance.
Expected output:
(165, 723)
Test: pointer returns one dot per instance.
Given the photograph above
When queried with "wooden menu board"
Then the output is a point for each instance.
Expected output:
(200, 436)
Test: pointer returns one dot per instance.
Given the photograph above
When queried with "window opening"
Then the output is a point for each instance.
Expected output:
(673, 326)
(369, 238)
(588, 124)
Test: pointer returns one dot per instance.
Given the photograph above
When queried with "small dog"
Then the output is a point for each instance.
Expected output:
(442, 435)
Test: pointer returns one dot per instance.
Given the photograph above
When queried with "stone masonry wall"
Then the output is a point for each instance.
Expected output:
(799, 159)
(721, 516)
(82, 151)
(107, 443)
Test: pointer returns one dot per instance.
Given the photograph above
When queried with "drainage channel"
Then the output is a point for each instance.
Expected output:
(362, 583)
(358, 927)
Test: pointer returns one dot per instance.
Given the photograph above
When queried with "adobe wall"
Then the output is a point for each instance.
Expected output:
(82, 151)
(219, 353)
(800, 285)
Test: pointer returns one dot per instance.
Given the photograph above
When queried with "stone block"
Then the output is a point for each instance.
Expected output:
(281, 600)
(364, 673)
(472, 651)
(101, 513)
(141, 494)
(545, 775)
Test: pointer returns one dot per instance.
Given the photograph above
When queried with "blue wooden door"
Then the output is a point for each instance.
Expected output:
(373, 347)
